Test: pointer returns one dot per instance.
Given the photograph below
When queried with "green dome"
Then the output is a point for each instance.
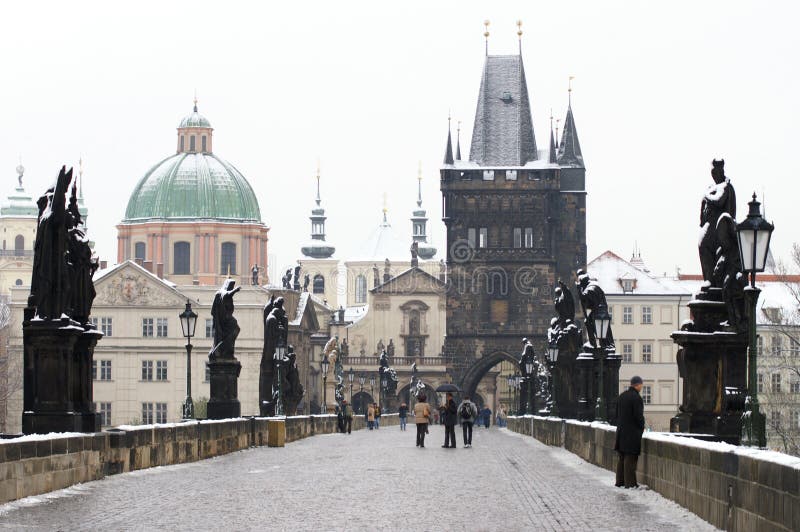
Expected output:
(193, 186)
(194, 120)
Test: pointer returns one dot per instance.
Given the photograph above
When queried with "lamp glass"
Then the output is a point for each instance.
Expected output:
(529, 367)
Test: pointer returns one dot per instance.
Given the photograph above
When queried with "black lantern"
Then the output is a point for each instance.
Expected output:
(552, 352)
(602, 322)
(754, 235)
(529, 367)
(188, 324)
(188, 320)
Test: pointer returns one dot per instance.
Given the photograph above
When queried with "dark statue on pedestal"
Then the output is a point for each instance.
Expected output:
(565, 334)
(254, 271)
(390, 375)
(390, 348)
(376, 276)
(414, 254)
(276, 333)
(222, 365)
(292, 390)
(712, 354)
(286, 280)
(58, 338)
(306, 282)
(387, 271)
(592, 299)
(529, 390)
(296, 279)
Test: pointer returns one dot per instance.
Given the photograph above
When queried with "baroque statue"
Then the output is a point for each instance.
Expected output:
(718, 200)
(225, 326)
(592, 299)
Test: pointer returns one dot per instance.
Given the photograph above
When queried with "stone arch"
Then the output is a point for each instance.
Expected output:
(360, 401)
(476, 372)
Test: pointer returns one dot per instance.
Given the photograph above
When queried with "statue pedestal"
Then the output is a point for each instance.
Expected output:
(586, 384)
(611, 383)
(712, 360)
(224, 400)
(58, 377)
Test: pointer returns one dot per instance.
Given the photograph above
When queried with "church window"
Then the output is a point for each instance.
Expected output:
(18, 282)
(529, 237)
(413, 323)
(203, 141)
(418, 229)
(19, 245)
(483, 238)
(191, 143)
(182, 147)
(181, 260)
(361, 289)
(319, 284)
(139, 250)
(517, 237)
(228, 258)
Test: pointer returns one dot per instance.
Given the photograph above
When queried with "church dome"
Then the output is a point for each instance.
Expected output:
(189, 186)
(193, 184)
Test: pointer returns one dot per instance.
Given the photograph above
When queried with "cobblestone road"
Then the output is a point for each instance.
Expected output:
(374, 480)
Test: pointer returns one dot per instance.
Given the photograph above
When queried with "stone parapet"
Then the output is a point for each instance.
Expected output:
(38, 464)
(733, 488)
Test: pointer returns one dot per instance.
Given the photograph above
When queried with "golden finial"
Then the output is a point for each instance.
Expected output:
(385, 203)
(486, 34)
(569, 90)
(519, 29)
(558, 121)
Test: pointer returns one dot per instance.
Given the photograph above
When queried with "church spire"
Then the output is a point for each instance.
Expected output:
(569, 150)
(458, 141)
(448, 153)
(552, 158)
(318, 248)
(419, 224)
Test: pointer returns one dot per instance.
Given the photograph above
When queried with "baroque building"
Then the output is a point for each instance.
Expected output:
(516, 222)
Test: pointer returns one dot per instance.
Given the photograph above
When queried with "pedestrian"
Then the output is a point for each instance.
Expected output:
(371, 416)
(422, 414)
(487, 416)
(449, 416)
(402, 413)
(339, 419)
(347, 412)
(467, 413)
(630, 425)
(377, 416)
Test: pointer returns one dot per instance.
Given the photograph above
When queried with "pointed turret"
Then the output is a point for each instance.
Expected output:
(318, 248)
(458, 141)
(569, 150)
(448, 152)
(553, 158)
(419, 224)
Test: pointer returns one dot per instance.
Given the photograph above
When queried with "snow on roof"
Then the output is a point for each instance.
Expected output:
(384, 243)
(608, 268)
(355, 314)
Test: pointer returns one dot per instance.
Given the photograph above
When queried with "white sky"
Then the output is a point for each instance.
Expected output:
(366, 88)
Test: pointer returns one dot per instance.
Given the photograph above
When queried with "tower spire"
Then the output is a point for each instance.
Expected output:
(195, 100)
(486, 34)
(385, 209)
(419, 185)
(569, 91)
(569, 149)
(458, 141)
(319, 199)
(448, 153)
(553, 159)
(519, 35)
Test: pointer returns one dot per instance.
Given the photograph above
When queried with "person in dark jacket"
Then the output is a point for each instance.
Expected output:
(402, 413)
(449, 416)
(630, 425)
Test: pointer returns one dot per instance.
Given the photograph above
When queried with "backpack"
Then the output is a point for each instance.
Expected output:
(465, 412)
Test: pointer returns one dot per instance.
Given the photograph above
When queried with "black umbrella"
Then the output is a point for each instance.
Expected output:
(449, 387)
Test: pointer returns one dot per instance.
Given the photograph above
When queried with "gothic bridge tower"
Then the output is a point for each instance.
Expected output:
(516, 222)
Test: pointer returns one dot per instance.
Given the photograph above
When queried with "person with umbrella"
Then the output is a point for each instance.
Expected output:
(449, 415)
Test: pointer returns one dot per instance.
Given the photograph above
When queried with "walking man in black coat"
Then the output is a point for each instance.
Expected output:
(630, 425)
(449, 416)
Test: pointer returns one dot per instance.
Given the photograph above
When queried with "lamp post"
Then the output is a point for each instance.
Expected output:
(552, 352)
(601, 323)
(350, 376)
(325, 364)
(372, 386)
(529, 369)
(384, 386)
(361, 380)
(754, 234)
(510, 383)
(517, 382)
(188, 325)
(278, 358)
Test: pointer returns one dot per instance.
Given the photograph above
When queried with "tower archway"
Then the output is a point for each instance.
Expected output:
(482, 366)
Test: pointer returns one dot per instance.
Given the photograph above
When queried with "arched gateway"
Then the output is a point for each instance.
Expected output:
(472, 377)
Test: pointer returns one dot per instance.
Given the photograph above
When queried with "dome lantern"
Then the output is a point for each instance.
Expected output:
(194, 133)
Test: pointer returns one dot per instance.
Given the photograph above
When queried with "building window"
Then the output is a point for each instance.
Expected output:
(139, 250)
(161, 327)
(203, 142)
(776, 345)
(775, 419)
(147, 413)
(319, 284)
(228, 258)
(18, 282)
(104, 409)
(191, 143)
(760, 383)
(627, 315)
(776, 383)
(147, 327)
(488, 175)
(181, 252)
(627, 285)
(794, 385)
(794, 347)
(94, 370)
(361, 289)
(182, 148)
(647, 394)
(419, 229)
(511, 175)
(161, 370)
(147, 370)
(471, 238)
(19, 245)
(207, 376)
(760, 345)
(105, 370)
(209, 328)
(647, 315)
(647, 353)
(529, 237)
(627, 353)
(517, 237)
(107, 326)
(161, 412)
(795, 421)
(483, 237)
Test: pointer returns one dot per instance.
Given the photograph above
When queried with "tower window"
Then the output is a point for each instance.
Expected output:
(319, 284)
(228, 258)
(361, 289)
(517, 237)
(483, 238)
(19, 245)
(182, 147)
(419, 229)
(471, 237)
(488, 175)
(203, 141)
(139, 249)
(511, 175)
(191, 143)
(529, 237)
(181, 260)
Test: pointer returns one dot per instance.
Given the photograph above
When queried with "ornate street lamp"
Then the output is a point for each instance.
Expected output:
(517, 382)
(529, 370)
(384, 386)
(188, 325)
(350, 376)
(754, 235)
(552, 355)
(510, 383)
(277, 359)
(361, 380)
(602, 321)
(372, 386)
(325, 364)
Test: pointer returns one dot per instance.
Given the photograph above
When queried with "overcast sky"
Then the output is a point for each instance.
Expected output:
(365, 87)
